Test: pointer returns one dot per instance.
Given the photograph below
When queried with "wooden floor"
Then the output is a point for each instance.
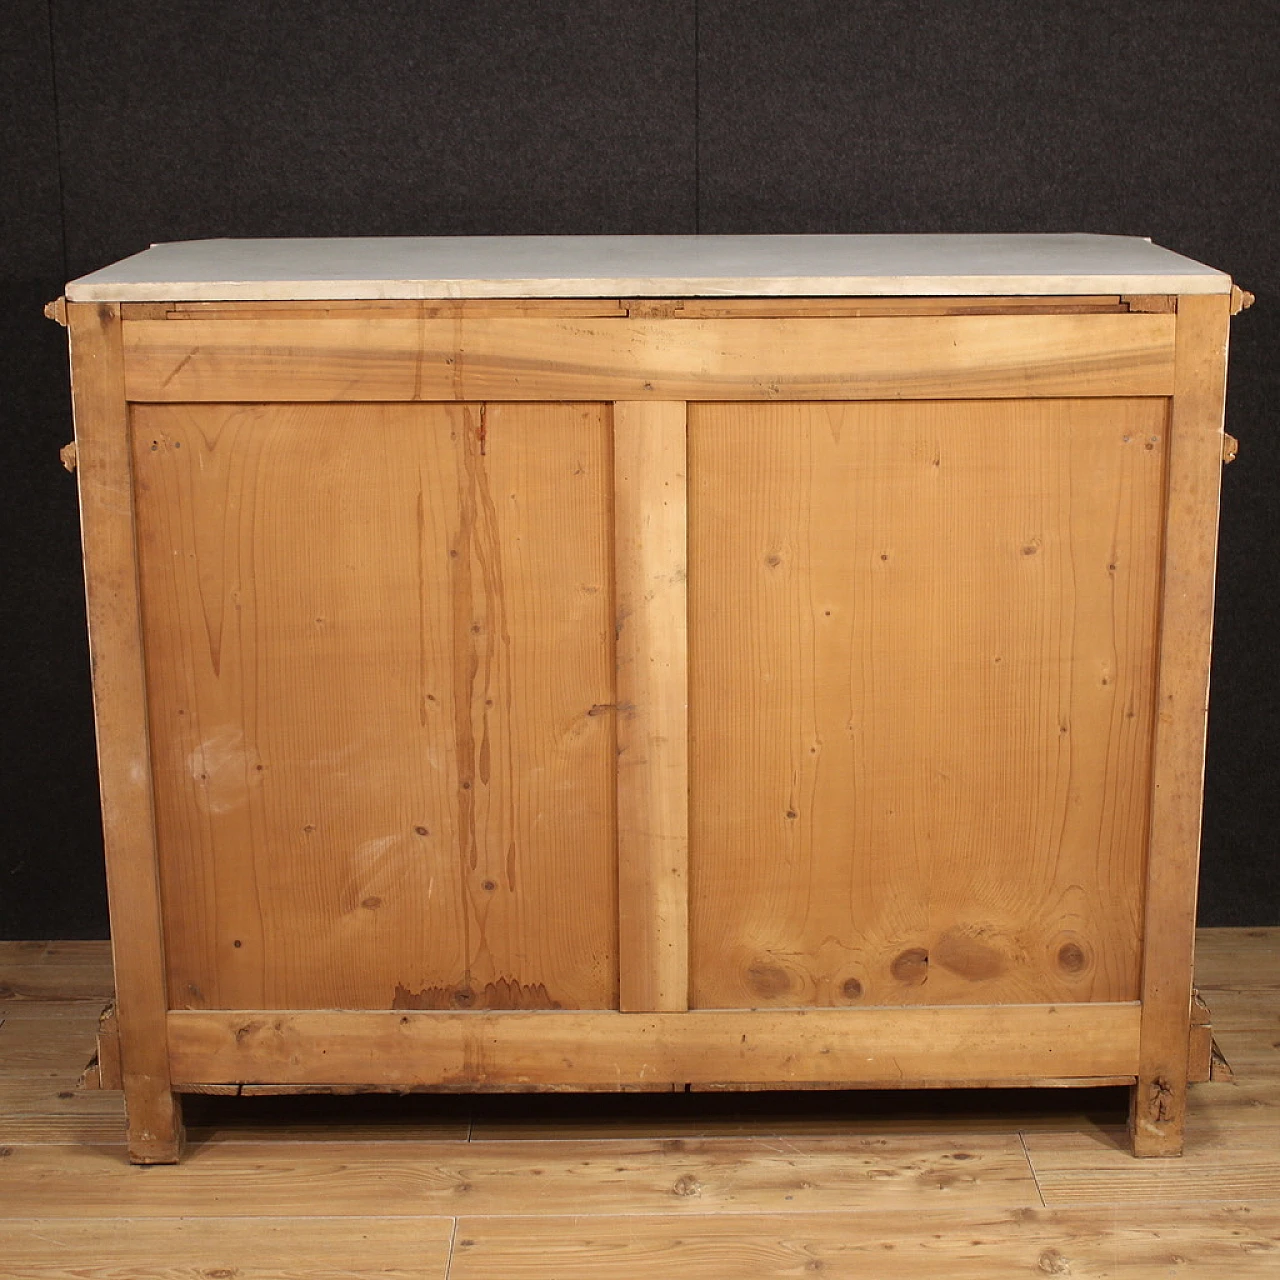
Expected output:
(981, 1184)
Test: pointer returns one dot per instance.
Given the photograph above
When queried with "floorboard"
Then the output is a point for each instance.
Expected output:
(965, 1184)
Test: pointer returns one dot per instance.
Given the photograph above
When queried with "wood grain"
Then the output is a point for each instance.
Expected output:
(43, 1046)
(961, 1244)
(86, 952)
(651, 572)
(275, 1189)
(921, 699)
(106, 486)
(1182, 700)
(50, 1110)
(246, 1248)
(880, 1047)
(686, 308)
(22, 984)
(693, 1177)
(379, 642)
(1099, 1168)
(1238, 973)
(874, 358)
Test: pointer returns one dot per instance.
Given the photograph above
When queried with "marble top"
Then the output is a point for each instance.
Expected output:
(645, 266)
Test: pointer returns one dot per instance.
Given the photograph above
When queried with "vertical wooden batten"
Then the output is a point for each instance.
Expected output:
(1186, 628)
(115, 641)
(650, 557)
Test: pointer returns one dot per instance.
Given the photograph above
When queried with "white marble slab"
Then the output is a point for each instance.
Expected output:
(645, 266)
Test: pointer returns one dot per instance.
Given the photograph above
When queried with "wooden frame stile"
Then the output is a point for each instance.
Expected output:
(1193, 484)
(155, 1132)
(650, 557)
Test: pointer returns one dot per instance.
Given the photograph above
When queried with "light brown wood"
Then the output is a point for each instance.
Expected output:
(790, 1181)
(109, 1074)
(1241, 300)
(120, 707)
(694, 1177)
(41, 1046)
(1186, 629)
(880, 1047)
(681, 308)
(428, 714)
(380, 657)
(920, 357)
(21, 984)
(1155, 304)
(1239, 973)
(78, 951)
(651, 570)
(243, 1248)
(921, 699)
(36, 1111)
(1097, 1168)
(913, 1244)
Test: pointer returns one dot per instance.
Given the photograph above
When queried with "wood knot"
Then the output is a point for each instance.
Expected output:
(911, 966)
(1071, 957)
(1052, 1263)
(851, 989)
(687, 1185)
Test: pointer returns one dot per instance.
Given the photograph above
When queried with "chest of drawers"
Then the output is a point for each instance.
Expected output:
(650, 663)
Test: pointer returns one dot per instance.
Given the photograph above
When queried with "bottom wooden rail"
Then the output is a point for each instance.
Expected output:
(878, 1047)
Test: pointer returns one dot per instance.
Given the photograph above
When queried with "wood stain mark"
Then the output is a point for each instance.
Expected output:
(768, 980)
(505, 993)
(476, 639)
(967, 953)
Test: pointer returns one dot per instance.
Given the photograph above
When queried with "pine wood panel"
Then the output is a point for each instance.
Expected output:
(872, 1047)
(1106, 1243)
(231, 1248)
(1182, 699)
(690, 1176)
(631, 358)
(921, 666)
(650, 553)
(106, 487)
(379, 639)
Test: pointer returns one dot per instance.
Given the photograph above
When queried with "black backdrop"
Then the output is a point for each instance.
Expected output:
(132, 122)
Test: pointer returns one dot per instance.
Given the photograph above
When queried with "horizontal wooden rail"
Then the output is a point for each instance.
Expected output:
(992, 1043)
(630, 358)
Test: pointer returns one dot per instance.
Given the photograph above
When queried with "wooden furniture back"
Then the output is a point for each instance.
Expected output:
(491, 673)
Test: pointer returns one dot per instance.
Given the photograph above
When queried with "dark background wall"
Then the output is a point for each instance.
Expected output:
(129, 123)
